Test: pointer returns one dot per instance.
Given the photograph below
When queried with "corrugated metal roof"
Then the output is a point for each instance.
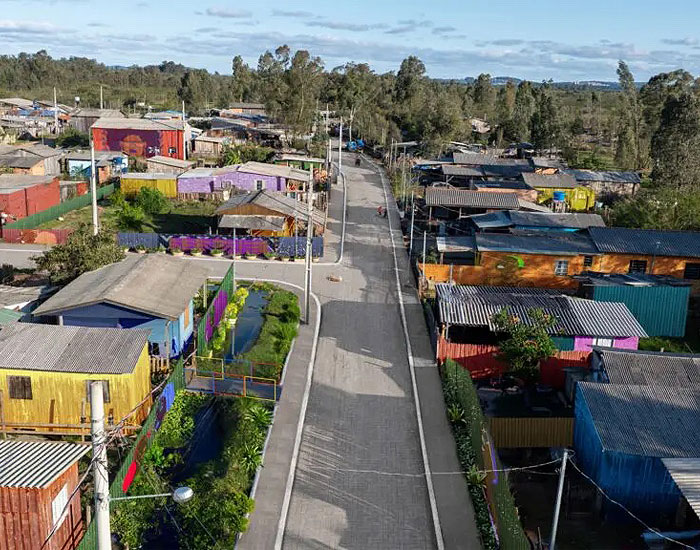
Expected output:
(137, 124)
(575, 316)
(505, 184)
(277, 202)
(657, 421)
(141, 282)
(686, 474)
(169, 161)
(8, 316)
(275, 170)
(551, 244)
(596, 278)
(465, 292)
(36, 464)
(440, 196)
(544, 162)
(622, 240)
(20, 161)
(505, 170)
(532, 206)
(475, 159)
(589, 176)
(461, 171)
(70, 349)
(549, 181)
(456, 244)
(260, 223)
(647, 368)
(97, 113)
(149, 176)
(513, 218)
(20, 181)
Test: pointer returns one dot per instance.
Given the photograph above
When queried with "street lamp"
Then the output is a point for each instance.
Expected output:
(181, 495)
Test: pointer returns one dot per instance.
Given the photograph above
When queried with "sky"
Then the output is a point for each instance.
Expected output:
(535, 40)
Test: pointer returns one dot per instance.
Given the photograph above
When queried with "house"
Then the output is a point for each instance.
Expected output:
(453, 204)
(472, 159)
(301, 162)
(256, 176)
(265, 213)
(527, 258)
(210, 146)
(134, 293)
(551, 187)
(545, 165)
(141, 137)
(167, 165)
(659, 302)
(82, 118)
(645, 368)
(21, 164)
(45, 371)
(245, 107)
(624, 436)
(33, 159)
(109, 164)
(513, 221)
(458, 175)
(42, 476)
(23, 195)
(17, 302)
(624, 250)
(132, 183)
(207, 182)
(466, 316)
(520, 188)
(608, 185)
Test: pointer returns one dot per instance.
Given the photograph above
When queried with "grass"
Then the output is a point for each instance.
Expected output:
(183, 217)
(282, 315)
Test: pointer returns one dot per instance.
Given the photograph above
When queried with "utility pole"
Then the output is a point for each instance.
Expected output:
(184, 139)
(340, 148)
(403, 178)
(413, 217)
(102, 101)
(99, 453)
(309, 235)
(557, 506)
(391, 153)
(425, 239)
(93, 188)
(55, 111)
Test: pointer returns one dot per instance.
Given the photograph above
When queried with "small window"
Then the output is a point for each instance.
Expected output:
(105, 389)
(561, 267)
(172, 151)
(603, 342)
(259, 185)
(692, 271)
(638, 266)
(20, 387)
(587, 261)
(59, 510)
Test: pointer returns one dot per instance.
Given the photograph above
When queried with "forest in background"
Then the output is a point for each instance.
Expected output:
(654, 129)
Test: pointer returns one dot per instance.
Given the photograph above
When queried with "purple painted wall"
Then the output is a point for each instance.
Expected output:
(222, 179)
(584, 343)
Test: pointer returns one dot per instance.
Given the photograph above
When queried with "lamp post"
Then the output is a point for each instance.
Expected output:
(181, 495)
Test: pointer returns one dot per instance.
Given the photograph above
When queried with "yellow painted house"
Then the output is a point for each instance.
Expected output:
(132, 183)
(46, 370)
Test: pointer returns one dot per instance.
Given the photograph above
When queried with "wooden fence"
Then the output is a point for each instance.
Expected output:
(481, 361)
(516, 432)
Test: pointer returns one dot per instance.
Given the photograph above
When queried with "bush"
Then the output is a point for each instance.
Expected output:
(72, 138)
(131, 218)
(151, 201)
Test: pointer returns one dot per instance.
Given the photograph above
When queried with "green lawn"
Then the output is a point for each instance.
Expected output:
(183, 217)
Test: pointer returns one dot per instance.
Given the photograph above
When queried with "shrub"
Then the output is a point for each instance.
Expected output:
(131, 218)
(151, 201)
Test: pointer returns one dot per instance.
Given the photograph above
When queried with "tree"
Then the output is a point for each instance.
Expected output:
(659, 209)
(526, 343)
(72, 138)
(630, 153)
(243, 84)
(81, 253)
(484, 96)
(523, 109)
(545, 127)
(131, 217)
(151, 201)
(676, 143)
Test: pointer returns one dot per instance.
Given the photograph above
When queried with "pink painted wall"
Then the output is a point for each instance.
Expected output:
(584, 343)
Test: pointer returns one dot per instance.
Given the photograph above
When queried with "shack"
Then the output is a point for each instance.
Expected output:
(109, 164)
(41, 475)
(24, 195)
(577, 197)
(608, 185)
(645, 368)
(48, 369)
(132, 183)
(623, 435)
(466, 316)
(167, 165)
(210, 146)
(141, 137)
(137, 292)
(453, 204)
(207, 182)
(83, 118)
(659, 302)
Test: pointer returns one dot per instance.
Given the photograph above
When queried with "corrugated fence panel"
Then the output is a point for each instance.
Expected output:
(532, 432)
(552, 369)
(35, 236)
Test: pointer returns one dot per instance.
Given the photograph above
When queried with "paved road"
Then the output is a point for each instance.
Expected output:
(19, 255)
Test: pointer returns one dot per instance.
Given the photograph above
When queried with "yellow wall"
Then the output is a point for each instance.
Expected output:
(532, 432)
(57, 396)
(167, 186)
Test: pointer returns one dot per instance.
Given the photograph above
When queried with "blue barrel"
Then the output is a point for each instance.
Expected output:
(559, 196)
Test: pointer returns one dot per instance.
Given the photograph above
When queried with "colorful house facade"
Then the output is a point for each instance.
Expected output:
(166, 183)
(45, 371)
(141, 137)
(137, 292)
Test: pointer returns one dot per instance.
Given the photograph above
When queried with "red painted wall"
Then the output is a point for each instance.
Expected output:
(43, 196)
(139, 143)
(14, 204)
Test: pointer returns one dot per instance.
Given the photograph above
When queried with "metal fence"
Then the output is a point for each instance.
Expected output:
(215, 311)
(460, 389)
(286, 246)
(130, 466)
(35, 236)
(35, 220)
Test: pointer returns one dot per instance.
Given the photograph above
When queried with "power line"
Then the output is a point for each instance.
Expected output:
(619, 504)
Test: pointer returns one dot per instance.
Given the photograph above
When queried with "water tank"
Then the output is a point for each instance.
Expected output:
(559, 196)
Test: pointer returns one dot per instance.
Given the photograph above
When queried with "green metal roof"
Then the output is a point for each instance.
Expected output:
(8, 316)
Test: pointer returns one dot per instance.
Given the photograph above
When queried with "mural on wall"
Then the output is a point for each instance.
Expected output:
(139, 143)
